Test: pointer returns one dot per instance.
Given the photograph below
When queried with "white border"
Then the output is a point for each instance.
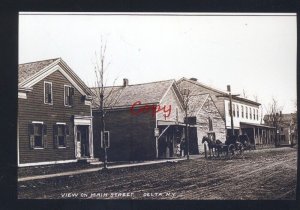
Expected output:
(51, 93)
(159, 13)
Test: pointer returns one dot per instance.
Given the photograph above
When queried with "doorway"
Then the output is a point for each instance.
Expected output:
(82, 141)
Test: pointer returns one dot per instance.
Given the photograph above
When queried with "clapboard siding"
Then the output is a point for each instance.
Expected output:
(34, 109)
(132, 137)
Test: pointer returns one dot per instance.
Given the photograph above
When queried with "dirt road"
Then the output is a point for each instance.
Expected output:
(264, 174)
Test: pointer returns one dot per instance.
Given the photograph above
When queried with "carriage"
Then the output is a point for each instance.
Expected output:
(233, 146)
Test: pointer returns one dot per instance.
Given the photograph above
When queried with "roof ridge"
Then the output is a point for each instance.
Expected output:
(41, 60)
(138, 83)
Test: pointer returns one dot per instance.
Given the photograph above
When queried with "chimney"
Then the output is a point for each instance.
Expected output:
(194, 79)
(125, 82)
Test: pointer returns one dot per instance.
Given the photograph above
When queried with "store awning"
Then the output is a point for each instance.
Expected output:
(251, 125)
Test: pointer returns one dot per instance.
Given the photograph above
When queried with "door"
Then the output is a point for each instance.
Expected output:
(82, 141)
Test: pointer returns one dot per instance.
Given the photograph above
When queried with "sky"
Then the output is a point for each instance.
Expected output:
(254, 54)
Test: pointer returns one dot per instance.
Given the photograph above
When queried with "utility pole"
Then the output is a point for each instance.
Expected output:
(229, 95)
(186, 93)
(230, 109)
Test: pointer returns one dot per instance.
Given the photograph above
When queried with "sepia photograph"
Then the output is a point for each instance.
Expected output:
(157, 106)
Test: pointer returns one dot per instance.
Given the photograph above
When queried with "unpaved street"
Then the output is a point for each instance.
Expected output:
(263, 174)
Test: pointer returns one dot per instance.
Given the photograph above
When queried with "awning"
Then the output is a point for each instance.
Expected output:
(251, 125)
(166, 123)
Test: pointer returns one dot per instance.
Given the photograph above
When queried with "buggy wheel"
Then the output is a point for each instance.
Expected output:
(231, 149)
(240, 149)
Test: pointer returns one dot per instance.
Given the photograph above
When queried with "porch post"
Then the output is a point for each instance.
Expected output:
(91, 141)
(75, 139)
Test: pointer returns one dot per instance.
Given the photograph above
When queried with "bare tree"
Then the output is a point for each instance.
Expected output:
(103, 100)
(274, 116)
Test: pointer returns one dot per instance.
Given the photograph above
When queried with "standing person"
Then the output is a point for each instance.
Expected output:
(182, 147)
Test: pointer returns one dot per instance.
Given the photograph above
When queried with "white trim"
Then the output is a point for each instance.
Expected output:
(37, 122)
(47, 71)
(38, 148)
(166, 92)
(51, 93)
(177, 98)
(46, 163)
(87, 103)
(60, 123)
(61, 147)
(203, 104)
(22, 95)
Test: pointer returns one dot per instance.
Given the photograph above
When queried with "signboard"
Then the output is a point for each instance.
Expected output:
(156, 132)
(106, 139)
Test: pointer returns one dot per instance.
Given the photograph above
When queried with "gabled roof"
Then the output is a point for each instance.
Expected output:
(191, 84)
(125, 96)
(33, 72)
(284, 117)
(196, 103)
(27, 70)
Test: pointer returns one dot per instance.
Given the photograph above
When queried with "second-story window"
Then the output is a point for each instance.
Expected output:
(250, 113)
(242, 111)
(237, 110)
(48, 98)
(233, 110)
(246, 112)
(210, 124)
(69, 95)
(254, 113)
(257, 114)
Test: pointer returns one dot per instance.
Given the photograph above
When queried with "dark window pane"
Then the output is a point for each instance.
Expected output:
(38, 141)
(61, 141)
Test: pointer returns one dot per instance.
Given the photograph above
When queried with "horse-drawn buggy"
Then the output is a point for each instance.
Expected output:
(233, 146)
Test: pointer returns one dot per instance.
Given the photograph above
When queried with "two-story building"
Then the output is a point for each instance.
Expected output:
(246, 113)
(54, 114)
(286, 124)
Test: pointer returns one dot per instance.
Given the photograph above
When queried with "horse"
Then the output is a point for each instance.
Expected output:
(212, 145)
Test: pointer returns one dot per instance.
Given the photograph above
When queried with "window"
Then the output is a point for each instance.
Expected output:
(61, 133)
(254, 113)
(229, 109)
(233, 110)
(210, 124)
(237, 110)
(246, 112)
(242, 111)
(257, 114)
(69, 95)
(48, 99)
(106, 138)
(37, 135)
(250, 109)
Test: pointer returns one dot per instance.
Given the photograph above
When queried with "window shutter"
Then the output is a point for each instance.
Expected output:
(45, 136)
(31, 135)
(55, 139)
(71, 96)
(67, 135)
(66, 96)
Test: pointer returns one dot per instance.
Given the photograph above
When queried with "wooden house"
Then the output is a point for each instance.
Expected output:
(246, 113)
(54, 114)
(144, 121)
